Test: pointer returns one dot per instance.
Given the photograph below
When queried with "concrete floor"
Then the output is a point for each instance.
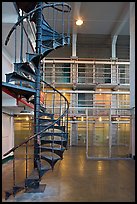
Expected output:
(76, 179)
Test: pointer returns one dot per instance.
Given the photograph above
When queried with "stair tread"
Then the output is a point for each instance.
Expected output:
(16, 89)
(50, 157)
(33, 58)
(46, 114)
(25, 67)
(20, 77)
(52, 148)
(46, 140)
(54, 134)
(45, 168)
(33, 175)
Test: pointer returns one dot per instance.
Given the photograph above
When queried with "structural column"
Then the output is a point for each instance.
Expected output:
(132, 76)
(37, 83)
(74, 124)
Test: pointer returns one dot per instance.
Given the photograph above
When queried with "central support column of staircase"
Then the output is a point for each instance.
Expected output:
(37, 82)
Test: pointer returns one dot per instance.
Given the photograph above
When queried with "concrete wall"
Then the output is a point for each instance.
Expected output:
(95, 46)
(7, 133)
(7, 66)
(7, 118)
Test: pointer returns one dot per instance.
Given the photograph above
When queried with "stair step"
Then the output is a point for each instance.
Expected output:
(55, 127)
(47, 27)
(48, 33)
(32, 181)
(47, 36)
(33, 175)
(46, 114)
(46, 50)
(50, 159)
(42, 169)
(44, 120)
(56, 150)
(62, 40)
(51, 149)
(52, 44)
(19, 90)
(42, 108)
(56, 42)
(15, 76)
(58, 134)
(24, 67)
(59, 142)
(33, 58)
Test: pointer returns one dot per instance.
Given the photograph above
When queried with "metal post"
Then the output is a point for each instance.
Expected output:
(21, 49)
(37, 83)
(110, 135)
(87, 133)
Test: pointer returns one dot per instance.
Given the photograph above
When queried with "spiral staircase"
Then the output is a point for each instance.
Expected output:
(41, 151)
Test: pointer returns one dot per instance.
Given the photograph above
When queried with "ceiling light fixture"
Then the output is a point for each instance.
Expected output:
(79, 22)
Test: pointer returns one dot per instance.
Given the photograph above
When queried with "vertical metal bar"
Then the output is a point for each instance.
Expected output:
(21, 45)
(27, 39)
(53, 24)
(87, 133)
(69, 24)
(110, 135)
(67, 125)
(43, 67)
(15, 44)
(117, 73)
(53, 102)
(62, 19)
(26, 160)
(14, 174)
(53, 74)
(37, 83)
(60, 106)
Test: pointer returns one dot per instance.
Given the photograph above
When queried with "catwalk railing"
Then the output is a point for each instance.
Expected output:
(90, 71)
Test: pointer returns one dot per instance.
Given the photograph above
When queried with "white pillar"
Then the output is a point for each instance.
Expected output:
(132, 74)
(114, 40)
(74, 42)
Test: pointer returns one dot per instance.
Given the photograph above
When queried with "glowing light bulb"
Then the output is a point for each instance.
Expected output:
(27, 118)
(79, 22)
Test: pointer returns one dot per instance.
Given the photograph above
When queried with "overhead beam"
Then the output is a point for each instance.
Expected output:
(123, 18)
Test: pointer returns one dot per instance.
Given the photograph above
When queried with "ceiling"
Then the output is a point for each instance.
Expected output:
(102, 17)
(107, 18)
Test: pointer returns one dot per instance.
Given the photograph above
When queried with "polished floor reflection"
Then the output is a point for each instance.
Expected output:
(76, 179)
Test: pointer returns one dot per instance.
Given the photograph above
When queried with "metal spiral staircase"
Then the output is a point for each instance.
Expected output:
(41, 151)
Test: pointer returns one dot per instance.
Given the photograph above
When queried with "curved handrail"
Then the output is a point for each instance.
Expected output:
(28, 14)
(49, 126)
(69, 7)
